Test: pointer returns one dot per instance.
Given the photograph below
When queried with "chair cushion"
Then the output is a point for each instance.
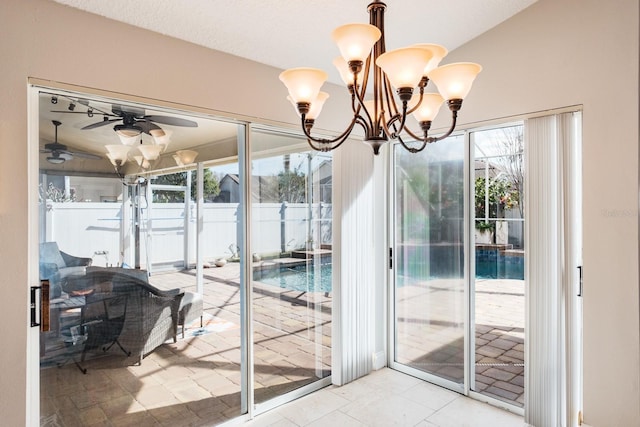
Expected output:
(131, 272)
(68, 272)
(49, 253)
(191, 307)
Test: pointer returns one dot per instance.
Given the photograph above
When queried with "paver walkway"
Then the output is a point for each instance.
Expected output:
(196, 381)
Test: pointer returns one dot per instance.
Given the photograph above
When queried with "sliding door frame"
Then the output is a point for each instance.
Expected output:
(249, 409)
(469, 265)
(392, 327)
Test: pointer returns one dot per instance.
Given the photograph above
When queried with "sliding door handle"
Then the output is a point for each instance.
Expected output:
(43, 306)
(580, 281)
(33, 306)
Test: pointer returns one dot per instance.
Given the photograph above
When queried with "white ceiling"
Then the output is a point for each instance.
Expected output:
(289, 33)
(280, 33)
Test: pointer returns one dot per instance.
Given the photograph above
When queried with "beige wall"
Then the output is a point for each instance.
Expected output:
(45, 40)
(567, 52)
(596, 66)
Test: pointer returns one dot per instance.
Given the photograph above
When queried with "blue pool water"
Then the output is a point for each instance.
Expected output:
(490, 264)
(299, 278)
(493, 264)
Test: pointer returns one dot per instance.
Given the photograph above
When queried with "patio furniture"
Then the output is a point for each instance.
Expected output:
(101, 321)
(151, 316)
(191, 307)
(57, 265)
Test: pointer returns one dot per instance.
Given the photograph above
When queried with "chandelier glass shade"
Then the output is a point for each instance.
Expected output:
(392, 96)
(150, 151)
(118, 154)
(185, 157)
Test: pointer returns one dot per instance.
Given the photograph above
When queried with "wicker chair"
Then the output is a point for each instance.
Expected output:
(56, 266)
(151, 314)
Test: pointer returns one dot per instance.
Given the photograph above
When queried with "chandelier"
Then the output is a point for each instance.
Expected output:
(382, 118)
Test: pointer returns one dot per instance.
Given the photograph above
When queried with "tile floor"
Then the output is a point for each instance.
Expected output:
(196, 381)
(386, 398)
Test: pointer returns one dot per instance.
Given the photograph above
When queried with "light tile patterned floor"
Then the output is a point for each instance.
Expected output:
(431, 326)
(197, 380)
(387, 398)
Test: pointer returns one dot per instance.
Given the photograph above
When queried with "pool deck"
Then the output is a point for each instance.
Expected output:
(196, 381)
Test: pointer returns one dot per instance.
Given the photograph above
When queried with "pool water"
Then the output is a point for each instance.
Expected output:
(493, 264)
(299, 278)
(489, 265)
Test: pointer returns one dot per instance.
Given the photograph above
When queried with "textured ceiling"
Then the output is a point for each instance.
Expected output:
(289, 33)
(280, 33)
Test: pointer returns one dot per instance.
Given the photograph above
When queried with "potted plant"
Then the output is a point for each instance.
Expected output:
(484, 232)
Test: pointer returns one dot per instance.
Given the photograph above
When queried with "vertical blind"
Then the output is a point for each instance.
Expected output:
(354, 263)
(553, 247)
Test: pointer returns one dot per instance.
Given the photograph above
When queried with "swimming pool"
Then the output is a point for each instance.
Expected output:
(298, 278)
(302, 278)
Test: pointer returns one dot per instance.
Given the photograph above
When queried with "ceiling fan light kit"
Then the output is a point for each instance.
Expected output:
(127, 131)
(150, 152)
(185, 157)
(59, 152)
(118, 153)
(363, 55)
(135, 122)
(55, 160)
(128, 140)
(142, 162)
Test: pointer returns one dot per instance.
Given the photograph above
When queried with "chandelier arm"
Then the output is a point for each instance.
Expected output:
(355, 106)
(365, 78)
(345, 134)
(415, 107)
(362, 122)
(424, 81)
(391, 100)
(413, 149)
(327, 147)
(396, 131)
(454, 119)
(362, 107)
(318, 148)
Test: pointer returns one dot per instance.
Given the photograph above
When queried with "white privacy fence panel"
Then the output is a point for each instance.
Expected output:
(163, 233)
(88, 229)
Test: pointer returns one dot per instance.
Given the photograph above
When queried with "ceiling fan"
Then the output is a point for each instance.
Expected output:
(60, 153)
(135, 121)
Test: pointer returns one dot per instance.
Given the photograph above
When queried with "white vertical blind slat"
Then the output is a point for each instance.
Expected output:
(353, 338)
(552, 206)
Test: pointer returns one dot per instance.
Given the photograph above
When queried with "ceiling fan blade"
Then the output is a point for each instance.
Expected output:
(172, 121)
(123, 110)
(83, 155)
(70, 112)
(147, 126)
(101, 123)
(65, 155)
(55, 146)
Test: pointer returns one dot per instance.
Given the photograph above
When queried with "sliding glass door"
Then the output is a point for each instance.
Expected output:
(291, 241)
(122, 343)
(458, 271)
(191, 287)
(498, 285)
(429, 240)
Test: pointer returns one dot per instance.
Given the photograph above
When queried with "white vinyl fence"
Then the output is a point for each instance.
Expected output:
(102, 231)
